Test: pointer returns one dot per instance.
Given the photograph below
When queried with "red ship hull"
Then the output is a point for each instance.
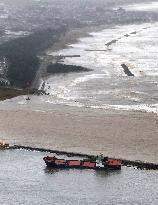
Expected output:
(83, 164)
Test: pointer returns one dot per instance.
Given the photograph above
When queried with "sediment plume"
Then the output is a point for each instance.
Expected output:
(126, 70)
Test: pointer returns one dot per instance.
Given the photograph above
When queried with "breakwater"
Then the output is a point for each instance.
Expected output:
(129, 163)
(140, 165)
(126, 70)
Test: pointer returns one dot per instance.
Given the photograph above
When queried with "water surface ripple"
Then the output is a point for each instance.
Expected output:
(24, 179)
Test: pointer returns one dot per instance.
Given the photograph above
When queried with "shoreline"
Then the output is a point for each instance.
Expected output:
(70, 37)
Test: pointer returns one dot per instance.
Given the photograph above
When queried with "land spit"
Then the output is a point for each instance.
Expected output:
(131, 136)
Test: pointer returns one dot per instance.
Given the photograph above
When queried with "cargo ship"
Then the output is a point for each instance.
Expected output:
(103, 163)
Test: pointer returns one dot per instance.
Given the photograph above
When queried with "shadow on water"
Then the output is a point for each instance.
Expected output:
(98, 173)
(107, 173)
(23, 174)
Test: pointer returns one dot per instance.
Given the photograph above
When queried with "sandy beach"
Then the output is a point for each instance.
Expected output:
(123, 135)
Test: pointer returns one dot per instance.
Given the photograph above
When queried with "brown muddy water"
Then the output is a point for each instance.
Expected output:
(24, 179)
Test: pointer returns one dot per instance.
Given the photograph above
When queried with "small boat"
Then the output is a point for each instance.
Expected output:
(104, 164)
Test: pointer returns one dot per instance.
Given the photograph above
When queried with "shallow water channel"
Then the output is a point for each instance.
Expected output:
(24, 179)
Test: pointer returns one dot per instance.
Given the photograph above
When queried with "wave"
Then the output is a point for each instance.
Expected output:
(151, 6)
(87, 78)
(152, 108)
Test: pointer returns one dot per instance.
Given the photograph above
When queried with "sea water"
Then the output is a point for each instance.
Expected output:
(25, 179)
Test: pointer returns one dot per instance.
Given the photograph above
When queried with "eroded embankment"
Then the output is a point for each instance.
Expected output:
(128, 163)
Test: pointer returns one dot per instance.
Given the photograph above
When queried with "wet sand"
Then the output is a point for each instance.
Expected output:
(132, 136)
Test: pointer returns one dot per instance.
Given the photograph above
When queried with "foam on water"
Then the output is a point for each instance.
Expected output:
(142, 107)
(87, 78)
(108, 82)
(152, 6)
(107, 86)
